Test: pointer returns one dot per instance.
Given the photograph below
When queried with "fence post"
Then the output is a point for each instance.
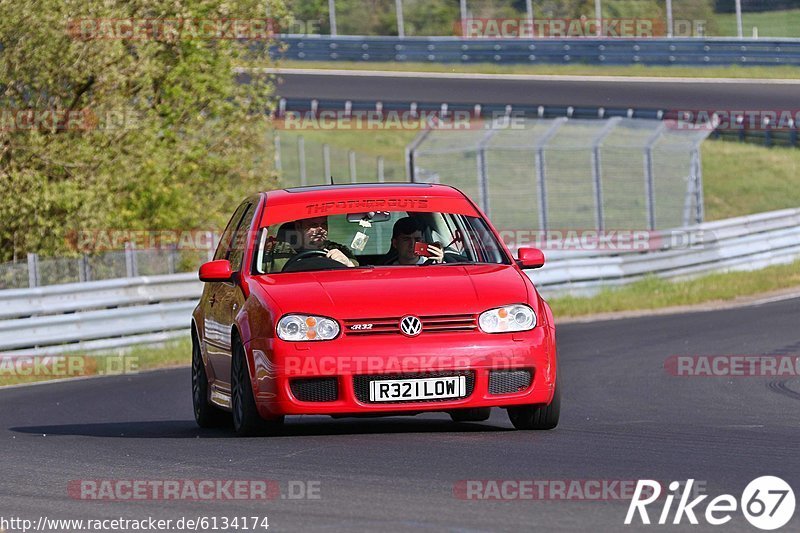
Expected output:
(351, 156)
(332, 16)
(398, 5)
(463, 9)
(130, 260)
(649, 176)
(326, 163)
(172, 260)
(33, 270)
(483, 171)
(669, 19)
(698, 180)
(381, 177)
(278, 165)
(541, 183)
(598, 14)
(597, 170)
(301, 159)
(411, 149)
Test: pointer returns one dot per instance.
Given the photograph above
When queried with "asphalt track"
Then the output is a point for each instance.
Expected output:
(639, 93)
(624, 418)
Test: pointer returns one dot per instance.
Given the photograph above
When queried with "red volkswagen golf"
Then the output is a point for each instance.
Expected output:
(381, 299)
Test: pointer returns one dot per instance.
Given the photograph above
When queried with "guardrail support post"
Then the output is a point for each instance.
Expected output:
(130, 260)
(33, 270)
(84, 274)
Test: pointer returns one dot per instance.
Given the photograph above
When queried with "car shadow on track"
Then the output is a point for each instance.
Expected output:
(316, 426)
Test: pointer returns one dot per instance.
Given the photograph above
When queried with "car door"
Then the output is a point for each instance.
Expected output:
(227, 298)
(215, 337)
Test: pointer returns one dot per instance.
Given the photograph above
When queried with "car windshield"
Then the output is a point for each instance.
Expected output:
(375, 239)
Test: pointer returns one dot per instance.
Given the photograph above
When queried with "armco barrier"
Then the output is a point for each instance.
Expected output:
(104, 315)
(655, 51)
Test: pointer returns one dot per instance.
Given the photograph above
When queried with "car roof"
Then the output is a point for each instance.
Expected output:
(316, 200)
(347, 190)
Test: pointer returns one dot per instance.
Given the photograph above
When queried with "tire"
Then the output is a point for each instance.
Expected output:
(475, 414)
(537, 416)
(206, 414)
(246, 420)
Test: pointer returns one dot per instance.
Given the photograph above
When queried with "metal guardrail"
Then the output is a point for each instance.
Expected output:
(655, 51)
(105, 315)
(763, 134)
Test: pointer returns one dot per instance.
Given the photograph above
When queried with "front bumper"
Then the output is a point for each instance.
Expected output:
(275, 364)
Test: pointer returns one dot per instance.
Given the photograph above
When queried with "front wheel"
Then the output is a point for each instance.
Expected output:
(246, 420)
(537, 416)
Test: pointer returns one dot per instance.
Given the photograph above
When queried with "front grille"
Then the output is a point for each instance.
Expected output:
(315, 389)
(390, 325)
(361, 384)
(509, 381)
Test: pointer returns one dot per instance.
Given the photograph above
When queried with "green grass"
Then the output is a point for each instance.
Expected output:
(743, 179)
(137, 359)
(734, 71)
(655, 293)
(769, 23)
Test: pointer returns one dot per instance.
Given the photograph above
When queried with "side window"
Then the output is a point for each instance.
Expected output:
(239, 242)
(225, 241)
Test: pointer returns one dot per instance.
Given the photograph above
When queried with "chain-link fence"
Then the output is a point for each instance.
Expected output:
(38, 271)
(302, 161)
(570, 173)
(678, 18)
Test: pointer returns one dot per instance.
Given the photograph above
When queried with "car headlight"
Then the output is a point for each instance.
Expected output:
(506, 319)
(307, 328)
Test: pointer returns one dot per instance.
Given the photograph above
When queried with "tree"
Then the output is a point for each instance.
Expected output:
(101, 130)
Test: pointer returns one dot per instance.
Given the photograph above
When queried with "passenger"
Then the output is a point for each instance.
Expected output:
(405, 234)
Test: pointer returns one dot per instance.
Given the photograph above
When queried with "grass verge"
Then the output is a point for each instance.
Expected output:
(785, 23)
(733, 71)
(76, 365)
(656, 293)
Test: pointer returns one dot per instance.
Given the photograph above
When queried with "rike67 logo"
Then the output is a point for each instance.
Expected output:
(767, 503)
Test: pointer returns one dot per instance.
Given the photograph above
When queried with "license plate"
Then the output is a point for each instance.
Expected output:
(417, 389)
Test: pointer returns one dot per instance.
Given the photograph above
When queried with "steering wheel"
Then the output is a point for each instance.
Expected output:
(303, 255)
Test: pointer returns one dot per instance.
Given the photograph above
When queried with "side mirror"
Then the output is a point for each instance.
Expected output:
(219, 270)
(530, 258)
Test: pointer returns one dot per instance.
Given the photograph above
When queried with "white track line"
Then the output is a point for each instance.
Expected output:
(517, 77)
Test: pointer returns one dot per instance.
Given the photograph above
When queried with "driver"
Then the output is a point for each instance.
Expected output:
(313, 235)
(405, 233)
